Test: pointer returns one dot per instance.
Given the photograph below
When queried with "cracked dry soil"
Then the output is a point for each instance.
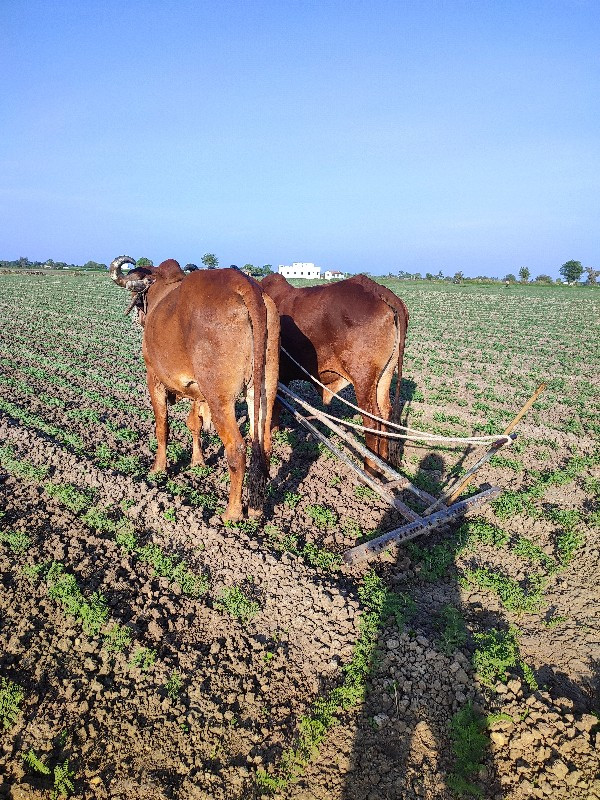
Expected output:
(246, 684)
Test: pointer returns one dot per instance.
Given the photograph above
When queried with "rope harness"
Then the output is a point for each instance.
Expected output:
(139, 301)
(412, 434)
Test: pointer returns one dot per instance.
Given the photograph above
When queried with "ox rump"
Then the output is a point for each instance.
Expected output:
(349, 332)
(209, 336)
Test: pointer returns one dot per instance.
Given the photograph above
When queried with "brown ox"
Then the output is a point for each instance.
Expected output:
(209, 336)
(351, 331)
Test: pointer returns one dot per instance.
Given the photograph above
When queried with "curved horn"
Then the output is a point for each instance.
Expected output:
(115, 269)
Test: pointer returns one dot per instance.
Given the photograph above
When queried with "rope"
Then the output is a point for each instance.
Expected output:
(418, 435)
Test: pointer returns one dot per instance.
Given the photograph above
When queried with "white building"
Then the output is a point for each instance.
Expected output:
(333, 275)
(300, 269)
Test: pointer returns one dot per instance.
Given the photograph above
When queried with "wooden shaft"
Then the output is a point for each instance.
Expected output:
(396, 479)
(386, 495)
(508, 430)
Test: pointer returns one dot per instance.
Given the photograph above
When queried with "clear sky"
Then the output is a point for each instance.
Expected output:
(377, 136)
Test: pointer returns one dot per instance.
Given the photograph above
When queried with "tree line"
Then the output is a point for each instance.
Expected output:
(208, 261)
(571, 271)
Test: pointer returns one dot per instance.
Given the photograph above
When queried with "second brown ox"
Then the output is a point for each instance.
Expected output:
(209, 336)
(349, 332)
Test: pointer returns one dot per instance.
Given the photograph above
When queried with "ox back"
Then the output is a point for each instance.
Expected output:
(349, 332)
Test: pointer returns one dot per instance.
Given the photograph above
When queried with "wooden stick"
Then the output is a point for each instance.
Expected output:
(508, 430)
(385, 494)
(397, 480)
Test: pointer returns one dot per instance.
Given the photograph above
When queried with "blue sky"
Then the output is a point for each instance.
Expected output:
(371, 136)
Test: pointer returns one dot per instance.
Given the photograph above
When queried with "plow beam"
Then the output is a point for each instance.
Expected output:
(384, 493)
(417, 527)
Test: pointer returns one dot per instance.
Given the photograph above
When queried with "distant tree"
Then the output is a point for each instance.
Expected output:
(210, 261)
(24, 262)
(592, 275)
(440, 275)
(571, 271)
(458, 277)
(190, 267)
(428, 276)
(417, 276)
(543, 279)
(144, 262)
(403, 275)
(267, 269)
(510, 278)
(524, 274)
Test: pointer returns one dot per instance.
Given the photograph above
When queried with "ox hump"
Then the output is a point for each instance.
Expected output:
(169, 271)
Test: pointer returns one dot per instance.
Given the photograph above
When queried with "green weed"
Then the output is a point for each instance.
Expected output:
(144, 658)
(11, 696)
(18, 541)
(432, 562)
(323, 517)
(233, 601)
(568, 543)
(291, 499)
(63, 781)
(76, 500)
(364, 492)
(174, 685)
(525, 548)
(511, 594)
(34, 763)
(117, 638)
(321, 558)
(453, 632)
(469, 745)
(62, 586)
(477, 530)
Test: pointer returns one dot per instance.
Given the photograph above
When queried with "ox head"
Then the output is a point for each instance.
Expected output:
(136, 281)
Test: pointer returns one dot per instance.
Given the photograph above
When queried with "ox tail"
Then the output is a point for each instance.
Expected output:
(258, 471)
(401, 319)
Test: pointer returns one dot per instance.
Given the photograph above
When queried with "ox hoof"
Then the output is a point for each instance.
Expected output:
(230, 516)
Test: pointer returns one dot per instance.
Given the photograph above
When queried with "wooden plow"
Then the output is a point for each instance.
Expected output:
(438, 511)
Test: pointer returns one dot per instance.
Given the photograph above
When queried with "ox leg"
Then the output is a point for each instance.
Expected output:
(275, 416)
(158, 398)
(194, 423)
(367, 400)
(235, 451)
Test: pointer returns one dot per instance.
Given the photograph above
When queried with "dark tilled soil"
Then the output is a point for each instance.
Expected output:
(247, 684)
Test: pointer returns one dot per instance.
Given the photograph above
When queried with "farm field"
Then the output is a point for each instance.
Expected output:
(149, 651)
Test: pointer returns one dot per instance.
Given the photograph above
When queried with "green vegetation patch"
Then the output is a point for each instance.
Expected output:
(18, 541)
(496, 654)
(11, 695)
(232, 600)
(512, 595)
(469, 746)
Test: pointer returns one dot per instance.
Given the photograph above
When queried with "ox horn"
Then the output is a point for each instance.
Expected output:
(115, 269)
